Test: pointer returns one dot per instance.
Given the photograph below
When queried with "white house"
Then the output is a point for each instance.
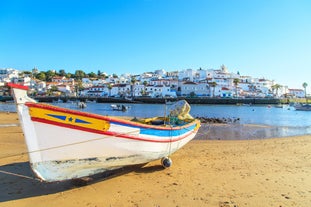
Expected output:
(299, 93)
(95, 91)
(225, 92)
(186, 75)
(263, 86)
(160, 91)
(121, 90)
(187, 87)
(41, 87)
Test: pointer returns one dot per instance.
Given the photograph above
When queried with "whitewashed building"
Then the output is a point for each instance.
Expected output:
(186, 75)
(198, 89)
(298, 93)
(160, 91)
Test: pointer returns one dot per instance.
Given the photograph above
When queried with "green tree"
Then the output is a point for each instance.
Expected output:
(54, 88)
(114, 75)
(69, 75)
(133, 81)
(109, 88)
(213, 85)
(62, 72)
(78, 86)
(145, 83)
(29, 73)
(41, 76)
(236, 82)
(276, 87)
(92, 75)
(49, 75)
(79, 74)
(305, 85)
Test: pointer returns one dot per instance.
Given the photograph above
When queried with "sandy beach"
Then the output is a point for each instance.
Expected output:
(223, 173)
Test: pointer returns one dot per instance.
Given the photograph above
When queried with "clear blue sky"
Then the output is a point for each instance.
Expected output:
(261, 38)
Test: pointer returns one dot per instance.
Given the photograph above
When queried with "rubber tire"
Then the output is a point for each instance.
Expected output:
(166, 162)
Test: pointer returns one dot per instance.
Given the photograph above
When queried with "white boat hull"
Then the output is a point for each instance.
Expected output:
(303, 107)
(86, 153)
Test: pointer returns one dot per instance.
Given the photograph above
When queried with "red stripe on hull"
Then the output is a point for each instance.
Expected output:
(109, 133)
(18, 86)
(111, 119)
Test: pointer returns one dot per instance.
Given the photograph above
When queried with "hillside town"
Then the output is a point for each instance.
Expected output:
(158, 84)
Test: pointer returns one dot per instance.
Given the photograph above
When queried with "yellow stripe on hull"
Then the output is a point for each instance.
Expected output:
(64, 118)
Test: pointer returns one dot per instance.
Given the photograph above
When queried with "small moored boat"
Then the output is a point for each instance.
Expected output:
(303, 107)
(67, 144)
(119, 107)
(81, 105)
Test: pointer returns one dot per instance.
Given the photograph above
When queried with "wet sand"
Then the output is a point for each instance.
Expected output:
(223, 173)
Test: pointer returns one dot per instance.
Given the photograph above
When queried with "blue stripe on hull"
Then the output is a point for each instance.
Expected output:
(167, 133)
(161, 133)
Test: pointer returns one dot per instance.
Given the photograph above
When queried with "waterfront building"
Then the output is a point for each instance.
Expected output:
(41, 87)
(159, 91)
(98, 91)
(172, 74)
(65, 89)
(160, 73)
(225, 92)
(189, 82)
(189, 88)
(121, 90)
(6, 75)
(298, 93)
(186, 75)
(63, 80)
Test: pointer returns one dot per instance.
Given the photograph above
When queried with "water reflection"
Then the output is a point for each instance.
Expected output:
(255, 122)
(244, 131)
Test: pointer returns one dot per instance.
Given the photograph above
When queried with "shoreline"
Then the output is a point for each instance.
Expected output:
(149, 100)
(215, 131)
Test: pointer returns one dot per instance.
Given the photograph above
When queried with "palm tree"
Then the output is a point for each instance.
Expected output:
(109, 89)
(236, 82)
(78, 86)
(304, 85)
(276, 87)
(133, 81)
(145, 83)
(213, 85)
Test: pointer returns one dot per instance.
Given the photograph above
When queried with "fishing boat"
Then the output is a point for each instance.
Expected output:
(302, 107)
(119, 107)
(81, 105)
(67, 144)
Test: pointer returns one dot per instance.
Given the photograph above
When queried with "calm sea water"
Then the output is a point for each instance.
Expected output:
(265, 121)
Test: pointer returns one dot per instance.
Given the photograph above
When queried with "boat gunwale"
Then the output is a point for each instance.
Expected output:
(107, 118)
(119, 135)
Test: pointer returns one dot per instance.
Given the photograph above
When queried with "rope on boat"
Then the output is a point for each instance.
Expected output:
(25, 153)
(14, 155)
(66, 145)
(76, 143)
(56, 147)
(19, 175)
(170, 147)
